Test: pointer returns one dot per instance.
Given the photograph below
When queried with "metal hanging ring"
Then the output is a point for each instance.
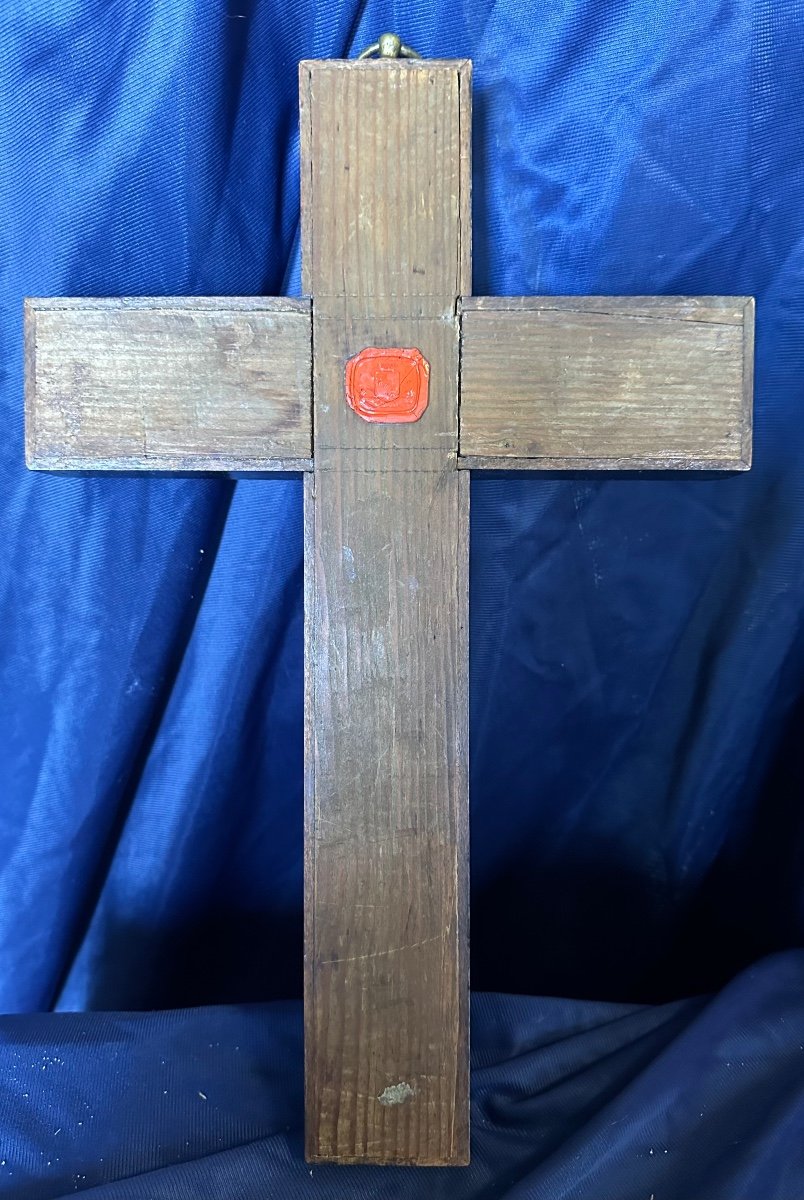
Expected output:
(388, 45)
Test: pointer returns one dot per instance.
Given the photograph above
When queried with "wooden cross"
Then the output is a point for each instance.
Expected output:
(385, 387)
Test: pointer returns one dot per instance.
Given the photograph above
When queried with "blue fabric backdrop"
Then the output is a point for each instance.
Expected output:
(637, 648)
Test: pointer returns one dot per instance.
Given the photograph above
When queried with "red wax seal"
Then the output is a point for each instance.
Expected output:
(387, 385)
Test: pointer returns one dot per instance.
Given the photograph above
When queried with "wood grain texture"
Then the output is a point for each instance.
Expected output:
(181, 384)
(385, 187)
(606, 383)
(393, 140)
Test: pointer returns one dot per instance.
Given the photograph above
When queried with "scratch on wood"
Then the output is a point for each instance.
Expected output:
(328, 962)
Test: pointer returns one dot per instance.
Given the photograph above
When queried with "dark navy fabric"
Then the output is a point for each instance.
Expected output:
(637, 645)
(571, 1100)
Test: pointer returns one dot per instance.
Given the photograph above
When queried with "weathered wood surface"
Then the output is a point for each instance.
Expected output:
(609, 383)
(385, 187)
(398, 222)
(180, 384)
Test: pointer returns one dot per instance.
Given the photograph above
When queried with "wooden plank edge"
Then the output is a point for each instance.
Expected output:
(461, 1137)
(374, 64)
(306, 166)
(367, 1160)
(749, 320)
(29, 341)
(611, 305)
(309, 842)
(216, 304)
(491, 462)
(162, 462)
(464, 281)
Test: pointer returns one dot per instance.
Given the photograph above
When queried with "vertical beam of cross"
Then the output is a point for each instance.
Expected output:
(385, 215)
(258, 385)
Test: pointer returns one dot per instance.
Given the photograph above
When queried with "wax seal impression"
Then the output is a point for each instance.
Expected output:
(388, 386)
